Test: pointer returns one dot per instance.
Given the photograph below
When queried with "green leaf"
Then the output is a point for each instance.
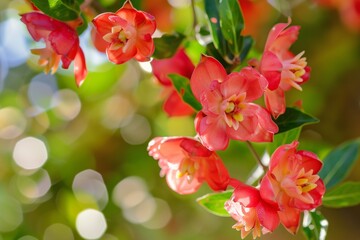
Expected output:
(63, 10)
(314, 225)
(232, 23)
(284, 138)
(212, 12)
(338, 163)
(167, 45)
(344, 195)
(246, 47)
(182, 86)
(293, 118)
(82, 27)
(214, 203)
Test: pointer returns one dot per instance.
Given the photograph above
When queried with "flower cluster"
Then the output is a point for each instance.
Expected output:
(123, 35)
(290, 186)
(231, 111)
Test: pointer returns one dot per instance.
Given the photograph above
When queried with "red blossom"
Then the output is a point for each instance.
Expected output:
(62, 43)
(228, 110)
(187, 164)
(282, 69)
(180, 64)
(125, 34)
(251, 212)
(292, 182)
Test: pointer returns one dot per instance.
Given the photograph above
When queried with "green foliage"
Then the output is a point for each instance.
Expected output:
(314, 225)
(246, 47)
(226, 23)
(338, 163)
(214, 203)
(344, 195)
(63, 10)
(293, 118)
(166, 46)
(231, 23)
(182, 86)
(211, 8)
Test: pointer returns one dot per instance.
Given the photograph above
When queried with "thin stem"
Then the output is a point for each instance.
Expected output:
(194, 14)
(256, 155)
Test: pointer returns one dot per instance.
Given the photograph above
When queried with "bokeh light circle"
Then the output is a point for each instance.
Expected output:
(30, 153)
(91, 224)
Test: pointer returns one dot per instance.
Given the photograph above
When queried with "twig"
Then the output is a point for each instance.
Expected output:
(256, 155)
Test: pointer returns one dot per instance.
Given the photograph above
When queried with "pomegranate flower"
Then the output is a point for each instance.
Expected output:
(181, 64)
(281, 68)
(228, 111)
(187, 164)
(125, 34)
(251, 212)
(292, 182)
(62, 43)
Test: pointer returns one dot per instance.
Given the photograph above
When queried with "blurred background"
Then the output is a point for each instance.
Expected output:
(73, 161)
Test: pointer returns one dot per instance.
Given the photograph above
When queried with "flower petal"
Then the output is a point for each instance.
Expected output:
(275, 102)
(80, 67)
(205, 72)
(212, 132)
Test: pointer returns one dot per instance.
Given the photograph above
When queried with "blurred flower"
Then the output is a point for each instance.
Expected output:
(181, 64)
(281, 68)
(292, 182)
(228, 111)
(187, 164)
(256, 14)
(124, 34)
(349, 11)
(163, 15)
(62, 43)
(251, 212)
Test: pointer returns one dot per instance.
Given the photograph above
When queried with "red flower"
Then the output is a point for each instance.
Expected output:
(125, 34)
(62, 43)
(292, 182)
(251, 212)
(281, 68)
(228, 111)
(187, 164)
(181, 64)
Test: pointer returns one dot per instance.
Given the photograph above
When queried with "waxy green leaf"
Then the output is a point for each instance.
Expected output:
(293, 118)
(232, 23)
(212, 11)
(214, 203)
(344, 195)
(63, 10)
(314, 225)
(167, 45)
(338, 163)
(182, 86)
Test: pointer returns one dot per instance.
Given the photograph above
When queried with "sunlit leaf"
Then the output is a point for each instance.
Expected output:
(167, 45)
(246, 47)
(63, 10)
(314, 225)
(182, 86)
(214, 203)
(232, 23)
(344, 195)
(293, 118)
(212, 11)
(338, 163)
